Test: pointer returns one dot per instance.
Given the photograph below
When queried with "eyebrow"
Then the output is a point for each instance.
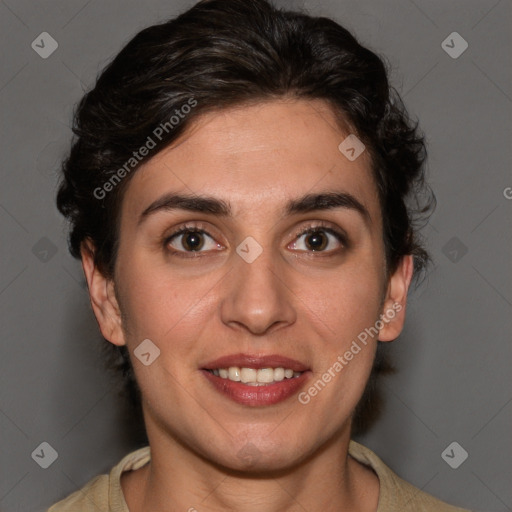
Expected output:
(212, 205)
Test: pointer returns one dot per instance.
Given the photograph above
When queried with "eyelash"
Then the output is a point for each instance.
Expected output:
(199, 228)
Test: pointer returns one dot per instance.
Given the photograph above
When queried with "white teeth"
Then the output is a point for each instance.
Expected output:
(278, 374)
(234, 374)
(248, 375)
(253, 377)
(265, 375)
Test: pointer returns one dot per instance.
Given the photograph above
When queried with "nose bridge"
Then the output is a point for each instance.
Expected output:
(257, 296)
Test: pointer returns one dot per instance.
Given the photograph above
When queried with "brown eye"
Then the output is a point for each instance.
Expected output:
(192, 240)
(189, 240)
(317, 239)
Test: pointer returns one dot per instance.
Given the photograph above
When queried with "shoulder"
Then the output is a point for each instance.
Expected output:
(104, 493)
(395, 493)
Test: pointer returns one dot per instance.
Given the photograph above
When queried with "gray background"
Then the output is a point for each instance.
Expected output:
(454, 357)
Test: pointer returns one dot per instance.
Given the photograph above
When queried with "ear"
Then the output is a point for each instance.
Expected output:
(102, 295)
(393, 311)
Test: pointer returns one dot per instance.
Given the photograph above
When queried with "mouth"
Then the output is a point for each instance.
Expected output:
(255, 377)
(256, 380)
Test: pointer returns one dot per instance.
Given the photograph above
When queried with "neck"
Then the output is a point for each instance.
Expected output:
(179, 479)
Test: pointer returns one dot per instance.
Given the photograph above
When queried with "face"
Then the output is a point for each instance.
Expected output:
(275, 259)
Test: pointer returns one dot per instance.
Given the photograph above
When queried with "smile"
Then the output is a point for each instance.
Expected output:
(257, 394)
(254, 376)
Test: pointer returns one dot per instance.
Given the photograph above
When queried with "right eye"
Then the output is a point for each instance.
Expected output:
(190, 239)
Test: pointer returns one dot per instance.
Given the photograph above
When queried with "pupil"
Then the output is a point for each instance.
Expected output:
(316, 241)
(193, 240)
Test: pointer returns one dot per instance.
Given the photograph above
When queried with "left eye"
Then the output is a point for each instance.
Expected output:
(317, 239)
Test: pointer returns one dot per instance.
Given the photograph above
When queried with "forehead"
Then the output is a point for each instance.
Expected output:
(267, 153)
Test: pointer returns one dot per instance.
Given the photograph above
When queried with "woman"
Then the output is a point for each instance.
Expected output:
(237, 195)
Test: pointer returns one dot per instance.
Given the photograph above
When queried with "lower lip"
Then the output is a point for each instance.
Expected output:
(255, 396)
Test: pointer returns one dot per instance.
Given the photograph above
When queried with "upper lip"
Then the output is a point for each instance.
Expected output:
(256, 362)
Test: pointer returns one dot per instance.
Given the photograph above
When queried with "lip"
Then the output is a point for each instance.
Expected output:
(256, 361)
(257, 396)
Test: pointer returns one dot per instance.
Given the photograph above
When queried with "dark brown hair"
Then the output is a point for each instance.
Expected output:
(222, 53)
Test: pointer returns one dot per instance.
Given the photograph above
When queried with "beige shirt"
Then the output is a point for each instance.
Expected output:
(104, 493)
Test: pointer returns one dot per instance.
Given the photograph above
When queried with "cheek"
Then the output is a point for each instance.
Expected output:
(341, 312)
(347, 301)
(167, 309)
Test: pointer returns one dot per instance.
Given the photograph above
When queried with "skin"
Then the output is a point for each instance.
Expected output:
(304, 304)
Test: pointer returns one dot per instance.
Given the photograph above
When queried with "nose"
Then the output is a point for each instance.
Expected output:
(257, 297)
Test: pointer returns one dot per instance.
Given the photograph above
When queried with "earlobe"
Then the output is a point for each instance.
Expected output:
(393, 312)
(103, 298)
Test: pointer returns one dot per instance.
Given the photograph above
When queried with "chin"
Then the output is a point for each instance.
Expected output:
(253, 457)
